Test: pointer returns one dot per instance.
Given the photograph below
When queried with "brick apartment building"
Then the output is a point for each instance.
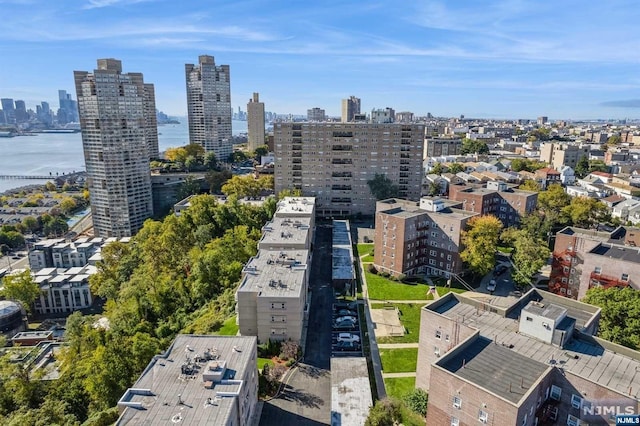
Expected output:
(333, 162)
(533, 362)
(440, 147)
(497, 198)
(419, 238)
(584, 258)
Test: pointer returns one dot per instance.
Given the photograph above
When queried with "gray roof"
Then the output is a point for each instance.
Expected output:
(276, 273)
(582, 357)
(165, 380)
(342, 251)
(350, 391)
(545, 310)
(495, 368)
(617, 252)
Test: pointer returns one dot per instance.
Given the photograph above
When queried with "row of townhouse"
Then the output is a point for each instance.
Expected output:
(60, 253)
(271, 301)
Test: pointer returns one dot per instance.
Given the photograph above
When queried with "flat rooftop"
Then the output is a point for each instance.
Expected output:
(582, 357)
(296, 206)
(165, 394)
(283, 231)
(342, 252)
(350, 391)
(495, 368)
(546, 310)
(275, 273)
(629, 254)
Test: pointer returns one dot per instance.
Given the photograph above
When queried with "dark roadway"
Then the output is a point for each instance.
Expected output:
(306, 399)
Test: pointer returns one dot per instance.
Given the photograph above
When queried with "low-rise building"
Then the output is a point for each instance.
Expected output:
(63, 290)
(419, 238)
(199, 380)
(343, 274)
(533, 362)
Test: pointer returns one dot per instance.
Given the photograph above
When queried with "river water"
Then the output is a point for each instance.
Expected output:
(62, 152)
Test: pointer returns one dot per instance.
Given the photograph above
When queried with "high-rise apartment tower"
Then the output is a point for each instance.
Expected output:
(350, 107)
(209, 106)
(255, 122)
(114, 109)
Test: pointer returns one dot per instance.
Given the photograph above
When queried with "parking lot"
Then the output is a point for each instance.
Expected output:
(346, 339)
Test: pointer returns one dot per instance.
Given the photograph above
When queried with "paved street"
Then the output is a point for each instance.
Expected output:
(306, 399)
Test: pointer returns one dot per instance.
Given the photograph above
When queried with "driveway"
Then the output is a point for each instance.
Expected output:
(306, 399)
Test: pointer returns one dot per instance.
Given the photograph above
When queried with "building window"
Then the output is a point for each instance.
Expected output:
(572, 421)
(625, 277)
(457, 402)
(597, 270)
(446, 337)
(483, 416)
(455, 421)
(436, 351)
(555, 392)
(524, 420)
(438, 334)
(576, 401)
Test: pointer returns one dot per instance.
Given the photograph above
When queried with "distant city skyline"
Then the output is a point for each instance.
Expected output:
(492, 59)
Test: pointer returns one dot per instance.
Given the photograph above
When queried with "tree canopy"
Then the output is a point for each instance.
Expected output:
(473, 146)
(620, 316)
(530, 253)
(21, 287)
(480, 242)
(247, 186)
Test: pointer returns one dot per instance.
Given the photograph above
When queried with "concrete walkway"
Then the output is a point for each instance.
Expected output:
(398, 375)
(397, 345)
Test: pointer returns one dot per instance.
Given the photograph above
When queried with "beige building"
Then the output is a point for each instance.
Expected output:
(255, 122)
(271, 301)
(350, 108)
(533, 361)
(209, 106)
(562, 154)
(419, 238)
(199, 380)
(119, 137)
(333, 162)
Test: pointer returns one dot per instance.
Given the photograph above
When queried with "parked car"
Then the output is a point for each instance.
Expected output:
(344, 325)
(491, 286)
(346, 312)
(500, 269)
(348, 337)
(347, 346)
(346, 318)
(352, 306)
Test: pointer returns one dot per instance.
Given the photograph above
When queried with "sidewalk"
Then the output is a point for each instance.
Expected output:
(397, 345)
(398, 375)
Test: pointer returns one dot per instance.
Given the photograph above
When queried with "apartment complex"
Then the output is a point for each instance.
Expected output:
(63, 290)
(255, 122)
(562, 154)
(199, 380)
(271, 301)
(419, 238)
(316, 114)
(533, 362)
(333, 162)
(584, 258)
(117, 118)
(497, 198)
(442, 147)
(350, 108)
(209, 106)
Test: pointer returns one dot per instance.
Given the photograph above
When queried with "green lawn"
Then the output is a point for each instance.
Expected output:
(381, 288)
(229, 327)
(410, 318)
(444, 290)
(399, 387)
(365, 249)
(399, 360)
(263, 361)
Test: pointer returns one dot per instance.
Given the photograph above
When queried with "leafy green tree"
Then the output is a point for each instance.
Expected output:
(519, 164)
(55, 227)
(550, 205)
(480, 242)
(614, 140)
(190, 186)
(529, 255)
(210, 161)
(434, 189)
(417, 401)
(382, 187)
(50, 186)
(530, 185)
(455, 168)
(586, 212)
(237, 157)
(194, 150)
(217, 179)
(385, 412)
(261, 150)
(620, 315)
(471, 146)
(438, 169)
(21, 287)
(247, 186)
(68, 205)
(597, 166)
(12, 239)
(289, 193)
(582, 167)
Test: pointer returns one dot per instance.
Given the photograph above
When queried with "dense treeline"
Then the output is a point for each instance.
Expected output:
(178, 275)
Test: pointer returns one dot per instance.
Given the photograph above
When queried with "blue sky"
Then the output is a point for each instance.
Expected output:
(495, 59)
